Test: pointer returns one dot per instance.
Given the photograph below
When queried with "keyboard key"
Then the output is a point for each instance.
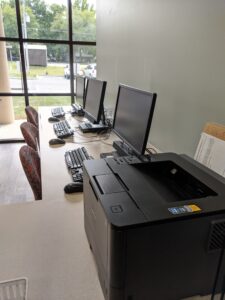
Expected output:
(63, 129)
(58, 112)
(74, 161)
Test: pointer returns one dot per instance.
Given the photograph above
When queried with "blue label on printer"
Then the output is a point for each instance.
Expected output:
(184, 209)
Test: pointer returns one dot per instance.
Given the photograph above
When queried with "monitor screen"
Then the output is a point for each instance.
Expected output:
(133, 117)
(95, 94)
(80, 90)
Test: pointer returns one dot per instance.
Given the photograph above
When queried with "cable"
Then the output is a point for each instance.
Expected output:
(151, 150)
(107, 133)
(93, 136)
(77, 119)
(106, 143)
(81, 134)
(97, 140)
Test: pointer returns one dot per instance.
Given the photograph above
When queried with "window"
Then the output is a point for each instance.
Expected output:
(41, 40)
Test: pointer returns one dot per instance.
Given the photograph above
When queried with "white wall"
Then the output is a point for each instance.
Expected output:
(175, 48)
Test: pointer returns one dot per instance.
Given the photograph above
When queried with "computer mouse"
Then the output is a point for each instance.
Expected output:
(53, 119)
(56, 142)
(74, 187)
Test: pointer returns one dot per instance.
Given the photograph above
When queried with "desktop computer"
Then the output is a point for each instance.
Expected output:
(94, 109)
(77, 107)
(132, 121)
(156, 229)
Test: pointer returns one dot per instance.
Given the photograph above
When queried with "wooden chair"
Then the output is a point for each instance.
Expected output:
(32, 115)
(31, 164)
(30, 134)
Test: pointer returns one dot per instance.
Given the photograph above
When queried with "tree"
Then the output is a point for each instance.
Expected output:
(58, 31)
(51, 22)
(43, 16)
(84, 25)
(59, 25)
(84, 28)
(10, 25)
(32, 25)
(82, 5)
(9, 20)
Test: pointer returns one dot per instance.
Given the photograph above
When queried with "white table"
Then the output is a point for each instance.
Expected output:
(54, 172)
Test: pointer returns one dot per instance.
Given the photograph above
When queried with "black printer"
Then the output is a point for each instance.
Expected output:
(156, 229)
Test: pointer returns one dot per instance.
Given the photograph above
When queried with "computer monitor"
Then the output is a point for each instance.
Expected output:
(80, 90)
(95, 93)
(132, 119)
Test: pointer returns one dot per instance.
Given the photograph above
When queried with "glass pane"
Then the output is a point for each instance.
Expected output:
(19, 108)
(13, 115)
(85, 61)
(44, 19)
(45, 68)
(84, 20)
(8, 12)
(49, 101)
(10, 77)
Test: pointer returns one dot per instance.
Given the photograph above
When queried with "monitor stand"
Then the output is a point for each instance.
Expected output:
(77, 110)
(112, 154)
(123, 149)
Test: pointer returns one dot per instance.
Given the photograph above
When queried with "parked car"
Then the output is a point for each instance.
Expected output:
(76, 71)
(90, 70)
(67, 72)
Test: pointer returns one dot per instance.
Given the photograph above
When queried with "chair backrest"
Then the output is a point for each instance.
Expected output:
(31, 164)
(32, 115)
(30, 134)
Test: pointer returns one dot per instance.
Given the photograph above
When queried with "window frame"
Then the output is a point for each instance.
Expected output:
(21, 41)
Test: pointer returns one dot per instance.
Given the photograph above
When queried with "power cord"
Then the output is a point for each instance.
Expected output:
(92, 141)
(87, 137)
(151, 150)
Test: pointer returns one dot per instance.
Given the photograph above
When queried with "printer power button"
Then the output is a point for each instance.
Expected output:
(116, 209)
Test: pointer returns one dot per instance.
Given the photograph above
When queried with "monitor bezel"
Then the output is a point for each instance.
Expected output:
(152, 108)
(89, 116)
(84, 89)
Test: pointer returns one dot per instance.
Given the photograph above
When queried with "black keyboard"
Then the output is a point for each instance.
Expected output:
(74, 161)
(58, 112)
(77, 174)
(74, 158)
(89, 127)
(62, 129)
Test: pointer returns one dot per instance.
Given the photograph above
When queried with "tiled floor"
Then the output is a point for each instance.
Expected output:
(14, 186)
(11, 131)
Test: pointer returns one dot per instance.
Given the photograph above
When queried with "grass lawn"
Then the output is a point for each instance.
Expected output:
(36, 71)
(19, 103)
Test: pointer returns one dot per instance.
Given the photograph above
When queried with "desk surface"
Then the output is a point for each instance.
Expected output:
(54, 172)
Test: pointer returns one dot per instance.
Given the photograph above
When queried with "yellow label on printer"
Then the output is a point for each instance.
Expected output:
(194, 207)
(184, 209)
